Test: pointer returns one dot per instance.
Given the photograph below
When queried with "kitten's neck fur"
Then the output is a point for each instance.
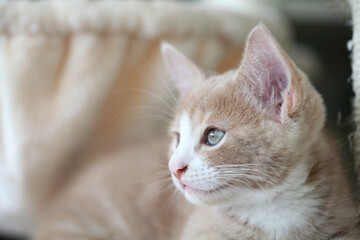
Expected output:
(298, 199)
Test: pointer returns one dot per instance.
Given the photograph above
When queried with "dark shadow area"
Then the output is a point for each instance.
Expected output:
(329, 41)
(5, 237)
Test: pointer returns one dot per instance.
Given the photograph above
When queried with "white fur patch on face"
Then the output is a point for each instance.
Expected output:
(186, 144)
(199, 182)
(184, 153)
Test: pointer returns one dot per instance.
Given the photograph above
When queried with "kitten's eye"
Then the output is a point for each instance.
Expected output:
(177, 139)
(214, 136)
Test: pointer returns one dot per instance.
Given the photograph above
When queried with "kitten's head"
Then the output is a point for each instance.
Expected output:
(241, 133)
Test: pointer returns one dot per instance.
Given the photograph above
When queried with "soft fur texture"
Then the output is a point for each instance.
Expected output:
(275, 174)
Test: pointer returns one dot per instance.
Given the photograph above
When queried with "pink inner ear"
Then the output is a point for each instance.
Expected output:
(181, 73)
(184, 71)
(274, 84)
(264, 66)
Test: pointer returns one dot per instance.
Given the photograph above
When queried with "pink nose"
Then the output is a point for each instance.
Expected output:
(179, 172)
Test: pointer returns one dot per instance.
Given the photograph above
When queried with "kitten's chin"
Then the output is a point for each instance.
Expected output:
(215, 197)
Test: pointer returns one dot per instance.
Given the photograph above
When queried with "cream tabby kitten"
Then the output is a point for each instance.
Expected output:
(249, 153)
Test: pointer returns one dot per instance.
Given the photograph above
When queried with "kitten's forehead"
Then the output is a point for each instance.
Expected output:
(218, 101)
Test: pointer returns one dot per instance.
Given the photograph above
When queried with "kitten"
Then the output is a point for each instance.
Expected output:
(249, 153)
(252, 149)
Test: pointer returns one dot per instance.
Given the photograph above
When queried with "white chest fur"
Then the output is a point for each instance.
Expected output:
(279, 210)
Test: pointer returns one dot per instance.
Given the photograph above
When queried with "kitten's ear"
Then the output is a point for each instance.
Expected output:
(185, 73)
(269, 72)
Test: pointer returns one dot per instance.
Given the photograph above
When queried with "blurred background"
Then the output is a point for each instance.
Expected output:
(315, 33)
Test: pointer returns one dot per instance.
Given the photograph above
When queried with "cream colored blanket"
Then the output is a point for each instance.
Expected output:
(68, 74)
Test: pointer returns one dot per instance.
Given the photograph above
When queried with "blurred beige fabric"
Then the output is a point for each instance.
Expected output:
(71, 73)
